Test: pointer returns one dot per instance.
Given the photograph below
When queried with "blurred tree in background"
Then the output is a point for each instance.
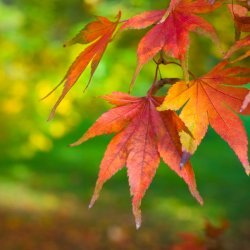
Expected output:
(41, 177)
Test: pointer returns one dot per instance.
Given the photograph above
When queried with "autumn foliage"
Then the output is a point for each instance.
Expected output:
(211, 240)
(148, 129)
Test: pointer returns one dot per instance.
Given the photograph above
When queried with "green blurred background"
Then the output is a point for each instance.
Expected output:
(45, 186)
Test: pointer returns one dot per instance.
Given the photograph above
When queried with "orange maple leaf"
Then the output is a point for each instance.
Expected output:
(171, 31)
(99, 33)
(213, 99)
(144, 135)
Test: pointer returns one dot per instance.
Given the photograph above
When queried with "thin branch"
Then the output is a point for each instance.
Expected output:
(161, 83)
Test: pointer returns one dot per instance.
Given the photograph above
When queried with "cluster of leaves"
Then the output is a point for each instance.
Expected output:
(148, 128)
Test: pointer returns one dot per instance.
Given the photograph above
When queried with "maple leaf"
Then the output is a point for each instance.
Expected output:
(245, 42)
(214, 232)
(241, 18)
(246, 102)
(189, 241)
(212, 235)
(171, 31)
(144, 135)
(213, 99)
(99, 33)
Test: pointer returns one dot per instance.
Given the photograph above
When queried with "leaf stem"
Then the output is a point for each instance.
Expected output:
(123, 21)
(247, 54)
(151, 90)
(158, 84)
(178, 64)
(162, 82)
(237, 31)
(184, 65)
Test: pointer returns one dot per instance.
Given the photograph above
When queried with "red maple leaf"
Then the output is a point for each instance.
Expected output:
(99, 33)
(211, 239)
(214, 232)
(241, 18)
(189, 241)
(171, 31)
(213, 99)
(240, 44)
(246, 102)
(144, 135)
